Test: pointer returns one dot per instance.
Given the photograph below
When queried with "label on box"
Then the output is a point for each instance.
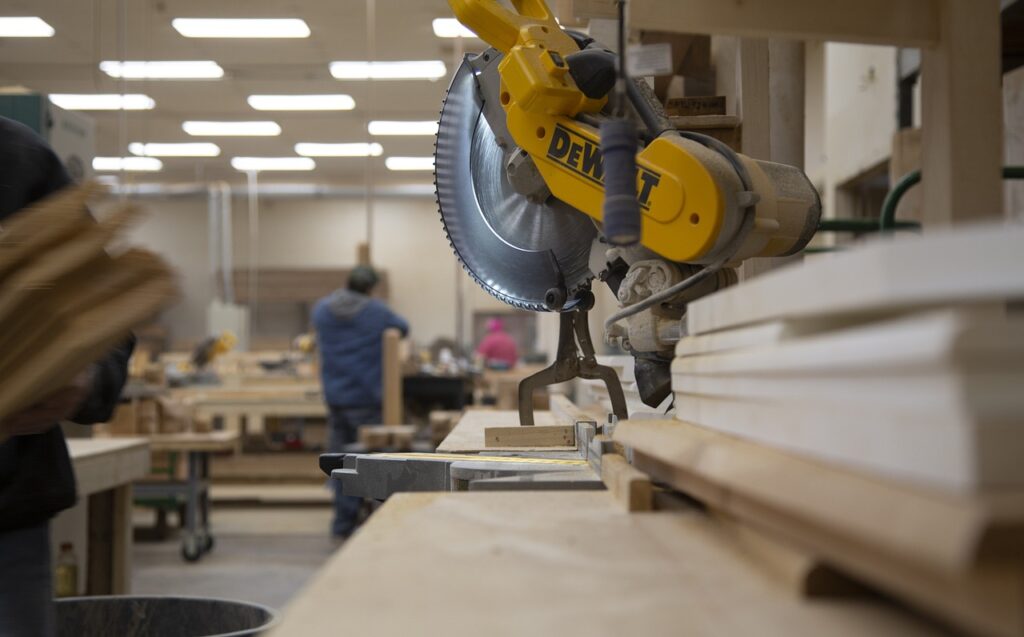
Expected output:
(649, 59)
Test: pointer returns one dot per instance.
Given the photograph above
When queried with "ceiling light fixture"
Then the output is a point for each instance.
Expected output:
(451, 28)
(385, 127)
(409, 70)
(246, 164)
(241, 27)
(336, 102)
(25, 27)
(133, 164)
(163, 70)
(356, 149)
(103, 101)
(182, 149)
(234, 129)
(409, 163)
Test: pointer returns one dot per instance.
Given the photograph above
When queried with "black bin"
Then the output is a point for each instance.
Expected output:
(160, 616)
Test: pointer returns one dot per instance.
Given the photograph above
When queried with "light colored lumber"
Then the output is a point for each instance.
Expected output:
(391, 407)
(535, 436)
(468, 434)
(935, 550)
(980, 264)
(210, 442)
(105, 463)
(912, 23)
(377, 437)
(539, 563)
(961, 116)
(630, 487)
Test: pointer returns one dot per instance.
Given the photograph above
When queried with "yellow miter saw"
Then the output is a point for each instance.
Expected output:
(553, 168)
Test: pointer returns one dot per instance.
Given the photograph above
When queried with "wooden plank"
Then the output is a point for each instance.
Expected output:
(526, 563)
(391, 408)
(566, 411)
(102, 464)
(630, 487)
(536, 436)
(879, 277)
(961, 116)
(913, 23)
(924, 546)
(468, 434)
(211, 442)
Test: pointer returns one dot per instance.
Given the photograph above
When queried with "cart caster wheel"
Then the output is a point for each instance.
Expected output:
(190, 550)
(208, 543)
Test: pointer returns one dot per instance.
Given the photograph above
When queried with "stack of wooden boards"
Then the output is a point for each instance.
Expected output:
(862, 409)
(65, 299)
(903, 358)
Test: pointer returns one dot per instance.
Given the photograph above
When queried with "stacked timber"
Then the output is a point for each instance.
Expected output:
(865, 409)
(65, 298)
(903, 359)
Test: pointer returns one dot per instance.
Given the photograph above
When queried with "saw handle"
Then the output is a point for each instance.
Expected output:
(498, 26)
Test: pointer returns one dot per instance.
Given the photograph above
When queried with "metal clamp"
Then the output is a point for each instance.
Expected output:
(570, 364)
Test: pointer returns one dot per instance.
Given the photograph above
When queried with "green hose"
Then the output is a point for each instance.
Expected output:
(888, 219)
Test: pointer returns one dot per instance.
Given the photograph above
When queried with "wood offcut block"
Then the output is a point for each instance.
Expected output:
(536, 436)
(387, 436)
(627, 484)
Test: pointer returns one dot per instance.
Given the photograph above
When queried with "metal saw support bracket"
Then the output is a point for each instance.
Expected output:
(569, 364)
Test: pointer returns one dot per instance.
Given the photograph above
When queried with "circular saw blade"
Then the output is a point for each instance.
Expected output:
(515, 249)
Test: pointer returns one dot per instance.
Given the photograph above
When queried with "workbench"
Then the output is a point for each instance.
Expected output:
(99, 526)
(195, 489)
(254, 404)
(573, 563)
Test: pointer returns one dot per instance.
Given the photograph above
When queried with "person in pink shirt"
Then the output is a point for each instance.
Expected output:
(498, 349)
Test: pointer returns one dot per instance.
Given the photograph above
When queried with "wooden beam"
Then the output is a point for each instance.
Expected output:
(913, 23)
(536, 436)
(961, 113)
(391, 411)
(628, 485)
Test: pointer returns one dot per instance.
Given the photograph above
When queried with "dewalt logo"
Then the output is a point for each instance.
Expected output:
(583, 157)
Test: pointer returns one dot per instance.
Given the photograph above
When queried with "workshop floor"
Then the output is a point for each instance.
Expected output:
(263, 554)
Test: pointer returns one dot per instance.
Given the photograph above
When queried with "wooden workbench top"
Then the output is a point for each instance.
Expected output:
(552, 563)
(105, 463)
(211, 441)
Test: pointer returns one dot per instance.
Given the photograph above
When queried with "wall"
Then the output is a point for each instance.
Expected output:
(409, 243)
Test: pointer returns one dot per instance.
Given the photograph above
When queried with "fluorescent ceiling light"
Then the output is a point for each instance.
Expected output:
(383, 127)
(241, 27)
(337, 102)
(135, 164)
(451, 28)
(409, 163)
(102, 101)
(272, 163)
(162, 70)
(186, 149)
(209, 129)
(25, 27)
(358, 149)
(409, 70)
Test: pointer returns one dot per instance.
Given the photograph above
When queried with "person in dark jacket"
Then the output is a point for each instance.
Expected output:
(36, 477)
(350, 327)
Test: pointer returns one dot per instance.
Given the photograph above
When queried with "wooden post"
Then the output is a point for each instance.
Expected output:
(363, 254)
(392, 378)
(961, 113)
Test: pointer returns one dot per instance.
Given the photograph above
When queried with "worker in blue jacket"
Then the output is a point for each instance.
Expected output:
(36, 476)
(350, 327)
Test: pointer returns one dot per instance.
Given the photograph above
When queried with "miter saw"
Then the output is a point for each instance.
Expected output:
(553, 169)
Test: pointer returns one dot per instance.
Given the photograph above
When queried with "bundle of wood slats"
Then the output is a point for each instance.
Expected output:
(865, 408)
(65, 299)
(901, 359)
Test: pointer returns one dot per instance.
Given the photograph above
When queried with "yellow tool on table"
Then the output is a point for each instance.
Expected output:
(553, 168)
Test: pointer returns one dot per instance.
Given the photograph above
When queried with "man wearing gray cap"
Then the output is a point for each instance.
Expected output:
(350, 327)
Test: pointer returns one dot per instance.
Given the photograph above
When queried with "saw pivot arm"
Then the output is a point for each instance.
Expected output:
(575, 359)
